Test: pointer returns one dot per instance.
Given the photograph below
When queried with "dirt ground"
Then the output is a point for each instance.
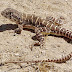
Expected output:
(17, 48)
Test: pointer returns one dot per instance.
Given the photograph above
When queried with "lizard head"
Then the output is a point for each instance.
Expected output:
(12, 14)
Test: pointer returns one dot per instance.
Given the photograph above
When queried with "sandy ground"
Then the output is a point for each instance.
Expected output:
(17, 48)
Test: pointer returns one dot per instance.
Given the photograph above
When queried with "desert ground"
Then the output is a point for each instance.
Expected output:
(17, 47)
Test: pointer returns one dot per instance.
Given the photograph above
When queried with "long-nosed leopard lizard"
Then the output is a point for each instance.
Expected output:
(40, 26)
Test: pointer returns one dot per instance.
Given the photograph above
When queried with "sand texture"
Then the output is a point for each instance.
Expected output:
(17, 48)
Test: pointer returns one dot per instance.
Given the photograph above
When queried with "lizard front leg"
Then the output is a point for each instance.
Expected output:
(19, 29)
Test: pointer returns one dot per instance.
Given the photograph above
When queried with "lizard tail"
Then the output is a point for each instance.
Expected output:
(61, 31)
(61, 60)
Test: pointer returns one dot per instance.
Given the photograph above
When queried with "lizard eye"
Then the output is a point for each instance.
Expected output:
(10, 13)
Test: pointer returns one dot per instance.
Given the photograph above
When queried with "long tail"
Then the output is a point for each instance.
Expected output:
(61, 60)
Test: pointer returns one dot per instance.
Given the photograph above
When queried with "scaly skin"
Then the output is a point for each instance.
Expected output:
(41, 26)
(27, 19)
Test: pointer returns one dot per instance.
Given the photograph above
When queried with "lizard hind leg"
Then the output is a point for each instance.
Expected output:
(40, 37)
(41, 33)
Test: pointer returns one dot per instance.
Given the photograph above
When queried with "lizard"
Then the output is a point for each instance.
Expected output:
(28, 20)
(41, 26)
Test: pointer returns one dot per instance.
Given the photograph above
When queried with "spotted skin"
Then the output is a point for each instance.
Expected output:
(41, 27)
(23, 19)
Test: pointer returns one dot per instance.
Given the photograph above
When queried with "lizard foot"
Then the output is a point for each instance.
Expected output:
(37, 44)
(17, 30)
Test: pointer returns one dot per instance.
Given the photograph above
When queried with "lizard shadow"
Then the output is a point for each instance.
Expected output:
(5, 27)
(65, 38)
